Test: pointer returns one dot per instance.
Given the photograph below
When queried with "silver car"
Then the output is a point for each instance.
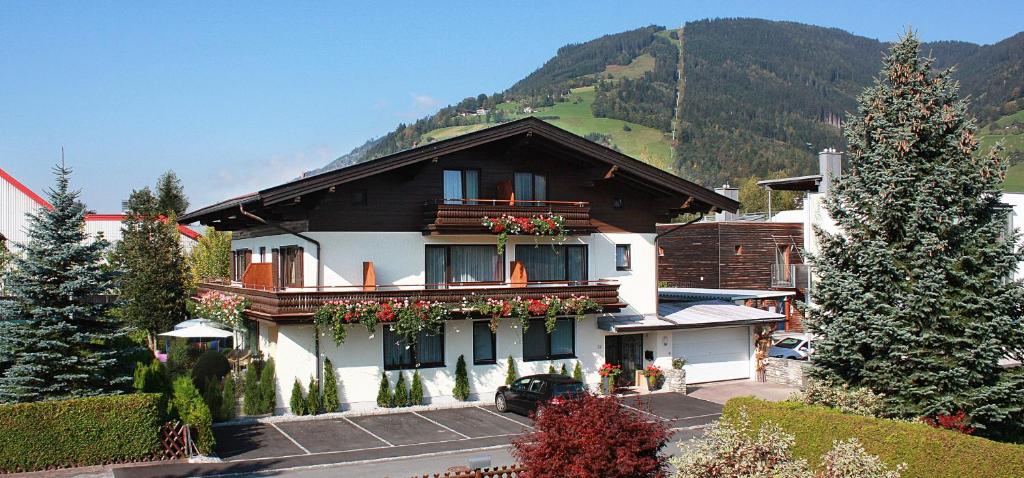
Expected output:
(796, 348)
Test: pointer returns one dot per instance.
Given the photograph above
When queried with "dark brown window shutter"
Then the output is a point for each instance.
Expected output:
(275, 266)
(299, 256)
(246, 264)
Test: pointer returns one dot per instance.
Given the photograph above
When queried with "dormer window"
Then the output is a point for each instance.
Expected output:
(460, 185)
(531, 187)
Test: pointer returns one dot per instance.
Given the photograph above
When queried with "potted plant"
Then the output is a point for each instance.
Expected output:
(653, 374)
(609, 373)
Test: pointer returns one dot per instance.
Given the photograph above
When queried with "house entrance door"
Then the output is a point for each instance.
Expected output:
(626, 351)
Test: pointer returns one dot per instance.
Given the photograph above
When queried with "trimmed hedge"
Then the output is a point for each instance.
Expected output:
(928, 452)
(79, 432)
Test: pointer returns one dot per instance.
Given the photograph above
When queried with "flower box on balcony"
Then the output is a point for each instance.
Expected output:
(462, 216)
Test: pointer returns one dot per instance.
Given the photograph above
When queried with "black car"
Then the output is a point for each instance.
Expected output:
(526, 393)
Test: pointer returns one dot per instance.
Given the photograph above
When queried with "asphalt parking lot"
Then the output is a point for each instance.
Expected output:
(263, 447)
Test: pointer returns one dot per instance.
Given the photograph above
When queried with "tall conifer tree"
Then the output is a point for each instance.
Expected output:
(915, 299)
(170, 195)
(154, 274)
(58, 340)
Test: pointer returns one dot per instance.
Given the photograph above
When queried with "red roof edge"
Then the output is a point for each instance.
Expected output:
(24, 189)
(185, 231)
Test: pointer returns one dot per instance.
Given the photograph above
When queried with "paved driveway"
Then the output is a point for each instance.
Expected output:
(283, 445)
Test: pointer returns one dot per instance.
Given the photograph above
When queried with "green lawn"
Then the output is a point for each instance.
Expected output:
(1012, 140)
(633, 70)
(641, 142)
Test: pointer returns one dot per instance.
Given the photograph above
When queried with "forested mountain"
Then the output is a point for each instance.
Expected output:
(756, 97)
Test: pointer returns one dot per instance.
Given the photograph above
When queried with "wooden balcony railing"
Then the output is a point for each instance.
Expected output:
(296, 305)
(461, 216)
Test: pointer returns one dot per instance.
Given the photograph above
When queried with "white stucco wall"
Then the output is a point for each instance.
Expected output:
(359, 361)
(399, 258)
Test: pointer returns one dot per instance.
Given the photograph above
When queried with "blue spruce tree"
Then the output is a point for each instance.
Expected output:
(58, 340)
(915, 299)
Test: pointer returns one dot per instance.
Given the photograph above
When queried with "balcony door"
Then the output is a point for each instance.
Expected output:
(531, 187)
(460, 185)
(447, 264)
(549, 263)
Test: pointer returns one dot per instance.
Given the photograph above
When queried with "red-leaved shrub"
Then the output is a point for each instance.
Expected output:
(589, 437)
(957, 422)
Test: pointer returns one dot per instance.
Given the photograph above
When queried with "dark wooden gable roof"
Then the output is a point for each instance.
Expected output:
(638, 173)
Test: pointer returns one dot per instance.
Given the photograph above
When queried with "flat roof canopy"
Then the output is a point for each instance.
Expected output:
(690, 315)
(694, 294)
(799, 183)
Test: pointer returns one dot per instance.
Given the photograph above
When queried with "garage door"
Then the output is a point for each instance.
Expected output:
(713, 354)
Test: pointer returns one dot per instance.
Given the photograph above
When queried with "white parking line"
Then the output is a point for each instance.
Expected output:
(340, 452)
(289, 438)
(506, 418)
(644, 412)
(368, 432)
(440, 425)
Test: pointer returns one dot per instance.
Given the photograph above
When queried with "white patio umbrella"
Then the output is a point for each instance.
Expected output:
(199, 331)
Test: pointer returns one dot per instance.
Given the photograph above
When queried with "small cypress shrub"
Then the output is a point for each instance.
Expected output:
(461, 390)
(313, 401)
(151, 378)
(210, 365)
(268, 393)
(510, 371)
(577, 371)
(298, 400)
(384, 392)
(551, 369)
(251, 390)
(229, 401)
(416, 392)
(331, 401)
(401, 396)
(564, 370)
(212, 397)
(188, 405)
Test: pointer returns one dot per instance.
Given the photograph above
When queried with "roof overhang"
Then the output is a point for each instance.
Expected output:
(694, 294)
(798, 183)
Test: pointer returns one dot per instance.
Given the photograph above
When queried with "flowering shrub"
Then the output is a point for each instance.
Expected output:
(609, 370)
(858, 401)
(733, 449)
(407, 318)
(221, 307)
(652, 371)
(589, 437)
(958, 421)
(541, 225)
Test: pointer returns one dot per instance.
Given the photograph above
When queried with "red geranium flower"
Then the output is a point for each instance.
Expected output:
(497, 228)
(537, 307)
(386, 313)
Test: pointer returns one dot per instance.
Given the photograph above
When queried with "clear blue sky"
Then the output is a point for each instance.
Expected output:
(236, 96)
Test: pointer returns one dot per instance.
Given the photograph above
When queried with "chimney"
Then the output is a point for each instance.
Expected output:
(731, 193)
(830, 163)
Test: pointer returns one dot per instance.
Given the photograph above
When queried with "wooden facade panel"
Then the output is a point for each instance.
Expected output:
(727, 255)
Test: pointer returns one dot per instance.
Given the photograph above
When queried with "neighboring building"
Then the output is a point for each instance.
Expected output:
(110, 226)
(747, 255)
(408, 225)
(16, 201)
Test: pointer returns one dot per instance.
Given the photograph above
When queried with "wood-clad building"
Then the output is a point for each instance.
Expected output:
(735, 255)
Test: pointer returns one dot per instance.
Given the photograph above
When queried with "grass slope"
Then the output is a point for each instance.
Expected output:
(641, 142)
(1010, 131)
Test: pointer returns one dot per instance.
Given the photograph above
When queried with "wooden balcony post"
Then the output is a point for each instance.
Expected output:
(518, 275)
(369, 277)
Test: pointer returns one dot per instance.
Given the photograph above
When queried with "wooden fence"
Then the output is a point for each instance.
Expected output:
(513, 471)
